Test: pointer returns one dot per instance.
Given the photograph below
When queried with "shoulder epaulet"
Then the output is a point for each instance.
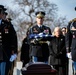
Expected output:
(46, 26)
(31, 27)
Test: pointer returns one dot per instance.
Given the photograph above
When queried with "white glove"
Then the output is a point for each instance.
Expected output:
(13, 57)
(40, 34)
(69, 55)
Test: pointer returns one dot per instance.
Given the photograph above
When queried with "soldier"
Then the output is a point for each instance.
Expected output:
(71, 42)
(12, 64)
(39, 52)
(8, 43)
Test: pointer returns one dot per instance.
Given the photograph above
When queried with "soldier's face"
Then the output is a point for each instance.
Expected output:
(1, 15)
(39, 21)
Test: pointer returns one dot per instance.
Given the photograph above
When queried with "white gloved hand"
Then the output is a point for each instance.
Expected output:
(69, 55)
(13, 57)
(40, 34)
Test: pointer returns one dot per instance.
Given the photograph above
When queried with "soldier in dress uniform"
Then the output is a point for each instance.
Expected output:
(12, 64)
(8, 42)
(39, 52)
(71, 42)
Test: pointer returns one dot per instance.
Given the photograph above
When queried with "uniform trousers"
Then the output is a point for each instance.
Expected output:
(74, 66)
(2, 68)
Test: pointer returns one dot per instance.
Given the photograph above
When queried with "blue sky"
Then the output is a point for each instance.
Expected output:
(65, 7)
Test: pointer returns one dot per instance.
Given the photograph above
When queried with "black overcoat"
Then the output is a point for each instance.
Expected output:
(57, 51)
(25, 51)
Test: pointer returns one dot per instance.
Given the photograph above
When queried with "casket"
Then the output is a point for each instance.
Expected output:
(38, 68)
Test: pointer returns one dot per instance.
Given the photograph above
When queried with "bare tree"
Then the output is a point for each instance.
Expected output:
(24, 15)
